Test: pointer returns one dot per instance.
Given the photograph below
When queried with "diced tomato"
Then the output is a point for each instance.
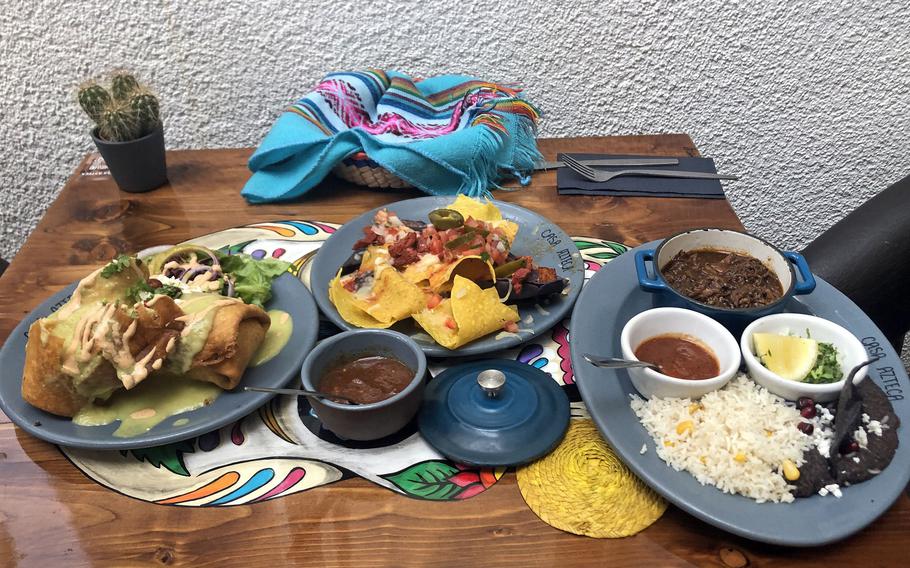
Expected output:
(350, 284)
(450, 323)
(430, 241)
(511, 327)
(433, 301)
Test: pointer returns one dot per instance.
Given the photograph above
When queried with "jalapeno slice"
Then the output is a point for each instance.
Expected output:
(444, 219)
(508, 268)
(464, 239)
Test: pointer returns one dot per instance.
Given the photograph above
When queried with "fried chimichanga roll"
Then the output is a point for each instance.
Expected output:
(95, 351)
(45, 385)
(235, 331)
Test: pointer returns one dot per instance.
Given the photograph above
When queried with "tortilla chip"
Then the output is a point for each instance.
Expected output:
(479, 210)
(392, 299)
(342, 300)
(473, 268)
(474, 311)
(484, 211)
(375, 256)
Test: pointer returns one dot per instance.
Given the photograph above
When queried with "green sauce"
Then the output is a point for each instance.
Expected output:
(181, 358)
(150, 403)
(275, 338)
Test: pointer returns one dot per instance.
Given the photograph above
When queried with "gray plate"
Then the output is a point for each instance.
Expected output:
(288, 294)
(610, 299)
(537, 237)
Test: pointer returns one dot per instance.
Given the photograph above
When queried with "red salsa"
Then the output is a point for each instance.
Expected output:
(679, 356)
(367, 380)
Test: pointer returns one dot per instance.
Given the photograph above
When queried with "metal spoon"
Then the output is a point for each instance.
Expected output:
(614, 363)
(299, 392)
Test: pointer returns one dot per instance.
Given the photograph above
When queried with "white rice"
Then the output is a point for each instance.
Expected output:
(742, 419)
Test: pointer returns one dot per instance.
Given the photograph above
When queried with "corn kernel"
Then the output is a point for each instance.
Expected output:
(790, 470)
(694, 407)
(740, 457)
(703, 459)
(669, 444)
(768, 433)
(684, 426)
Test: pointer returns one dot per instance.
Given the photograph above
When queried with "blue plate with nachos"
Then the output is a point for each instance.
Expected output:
(537, 237)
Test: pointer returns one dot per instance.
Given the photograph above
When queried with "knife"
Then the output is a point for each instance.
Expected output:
(612, 162)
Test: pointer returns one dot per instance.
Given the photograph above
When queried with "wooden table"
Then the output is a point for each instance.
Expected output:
(51, 514)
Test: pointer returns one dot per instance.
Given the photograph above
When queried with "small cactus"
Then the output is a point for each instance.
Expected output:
(118, 123)
(93, 98)
(145, 107)
(123, 85)
(126, 111)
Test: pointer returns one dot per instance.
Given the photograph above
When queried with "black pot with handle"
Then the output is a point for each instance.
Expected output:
(136, 165)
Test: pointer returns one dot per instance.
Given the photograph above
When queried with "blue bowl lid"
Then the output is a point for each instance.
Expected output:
(501, 423)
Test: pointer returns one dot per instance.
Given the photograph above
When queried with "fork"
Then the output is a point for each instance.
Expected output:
(601, 176)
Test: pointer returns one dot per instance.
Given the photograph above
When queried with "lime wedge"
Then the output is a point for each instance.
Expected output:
(787, 356)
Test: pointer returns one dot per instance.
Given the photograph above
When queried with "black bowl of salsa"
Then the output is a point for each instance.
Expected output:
(379, 370)
(729, 275)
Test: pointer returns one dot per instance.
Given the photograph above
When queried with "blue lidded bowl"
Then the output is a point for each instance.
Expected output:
(789, 267)
(364, 422)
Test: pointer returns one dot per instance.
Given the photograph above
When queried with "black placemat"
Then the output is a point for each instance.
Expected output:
(570, 183)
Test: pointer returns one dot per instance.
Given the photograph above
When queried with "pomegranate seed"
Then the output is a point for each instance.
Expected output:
(804, 401)
(808, 412)
(849, 447)
(806, 428)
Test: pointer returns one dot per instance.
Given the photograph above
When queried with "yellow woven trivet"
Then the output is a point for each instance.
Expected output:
(582, 487)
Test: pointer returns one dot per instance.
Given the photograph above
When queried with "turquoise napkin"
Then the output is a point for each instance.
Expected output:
(445, 135)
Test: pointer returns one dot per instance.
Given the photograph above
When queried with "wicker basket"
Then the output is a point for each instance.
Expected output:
(360, 169)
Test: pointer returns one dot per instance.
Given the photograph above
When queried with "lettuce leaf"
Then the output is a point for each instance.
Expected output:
(252, 278)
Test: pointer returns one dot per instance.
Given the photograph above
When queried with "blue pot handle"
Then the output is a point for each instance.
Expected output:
(647, 283)
(805, 282)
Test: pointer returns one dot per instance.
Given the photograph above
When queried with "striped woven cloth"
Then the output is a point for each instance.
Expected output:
(445, 135)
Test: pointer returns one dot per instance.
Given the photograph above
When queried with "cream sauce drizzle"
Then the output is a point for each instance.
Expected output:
(97, 332)
(203, 280)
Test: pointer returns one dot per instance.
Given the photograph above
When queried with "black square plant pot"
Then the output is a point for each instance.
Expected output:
(136, 165)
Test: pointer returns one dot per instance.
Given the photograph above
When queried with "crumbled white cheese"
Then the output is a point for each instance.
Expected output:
(644, 448)
(822, 491)
(529, 319)
(824, 447)
(185, 288)
(861, 437)
(825, 414)
(833, 489)
(855, 459)
(875, 427)
(865, 418)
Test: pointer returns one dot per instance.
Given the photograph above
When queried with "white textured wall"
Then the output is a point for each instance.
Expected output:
(808, 102)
